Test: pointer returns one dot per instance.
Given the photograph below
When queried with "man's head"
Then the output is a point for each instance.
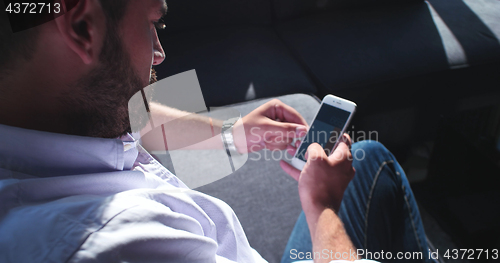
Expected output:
(76, 73)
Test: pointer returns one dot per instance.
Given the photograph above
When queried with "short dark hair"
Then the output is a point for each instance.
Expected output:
(21, 46)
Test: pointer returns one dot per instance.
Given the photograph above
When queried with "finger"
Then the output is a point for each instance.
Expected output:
(290, 170)
(287, 130)
(278, 140)
(291, 150)
(288, 114)
(341, 153)
(347, 139)
(277, 146)
(315, 152)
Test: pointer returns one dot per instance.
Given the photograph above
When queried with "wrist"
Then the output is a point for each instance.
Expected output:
(239, 137)
(320, 199)
(313, 216)
(314, 208)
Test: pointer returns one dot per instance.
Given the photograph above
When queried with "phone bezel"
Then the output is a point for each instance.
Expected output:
(334, 101)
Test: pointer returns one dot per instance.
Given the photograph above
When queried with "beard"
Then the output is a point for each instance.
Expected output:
(99, 105)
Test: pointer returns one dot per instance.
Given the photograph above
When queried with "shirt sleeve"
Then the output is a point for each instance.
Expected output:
(141, 235)
(150, 232)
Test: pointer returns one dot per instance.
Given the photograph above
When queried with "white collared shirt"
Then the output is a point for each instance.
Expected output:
(77, 199)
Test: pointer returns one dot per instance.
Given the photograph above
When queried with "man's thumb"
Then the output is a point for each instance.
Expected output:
(315, 152)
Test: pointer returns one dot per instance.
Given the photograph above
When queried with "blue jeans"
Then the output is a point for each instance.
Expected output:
(378, 210)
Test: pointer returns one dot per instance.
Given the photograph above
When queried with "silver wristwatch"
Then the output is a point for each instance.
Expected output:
(227, 135)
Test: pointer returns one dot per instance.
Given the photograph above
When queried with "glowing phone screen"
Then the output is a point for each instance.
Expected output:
(325, 130)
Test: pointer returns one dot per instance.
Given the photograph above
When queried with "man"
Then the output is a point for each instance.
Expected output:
(71, 192)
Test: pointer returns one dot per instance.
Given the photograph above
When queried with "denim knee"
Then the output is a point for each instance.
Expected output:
(369, 150)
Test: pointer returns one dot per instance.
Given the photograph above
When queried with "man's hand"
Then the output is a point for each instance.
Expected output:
(322, 183)
(273, 125)
(323, 180)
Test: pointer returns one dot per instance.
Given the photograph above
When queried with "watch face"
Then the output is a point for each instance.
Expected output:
(229, 123)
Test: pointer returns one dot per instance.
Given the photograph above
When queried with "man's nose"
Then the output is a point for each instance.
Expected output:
(158, 53)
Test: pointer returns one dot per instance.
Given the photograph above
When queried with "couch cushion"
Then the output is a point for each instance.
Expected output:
(475, 25)
(287, 9)
(346, 49)
(194, 14)
(234, 64)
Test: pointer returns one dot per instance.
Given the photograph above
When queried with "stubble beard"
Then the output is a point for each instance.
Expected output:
(98, 107)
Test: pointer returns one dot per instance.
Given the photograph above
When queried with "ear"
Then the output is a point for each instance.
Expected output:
(83, 28)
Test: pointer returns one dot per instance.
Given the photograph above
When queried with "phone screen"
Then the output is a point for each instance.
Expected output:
(325, 130)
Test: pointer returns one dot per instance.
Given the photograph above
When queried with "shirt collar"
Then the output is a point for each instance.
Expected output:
(46, 154)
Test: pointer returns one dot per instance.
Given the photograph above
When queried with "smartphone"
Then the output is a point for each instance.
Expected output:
(331, 121)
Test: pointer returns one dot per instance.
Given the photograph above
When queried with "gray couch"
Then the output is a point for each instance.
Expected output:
(247, 49)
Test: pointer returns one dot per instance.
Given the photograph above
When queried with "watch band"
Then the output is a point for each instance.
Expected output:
(227, 135)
